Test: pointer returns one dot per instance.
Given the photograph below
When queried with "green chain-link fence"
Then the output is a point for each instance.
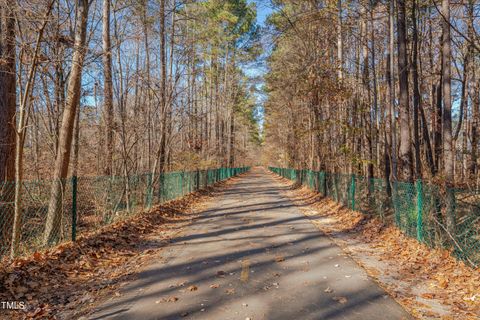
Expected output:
(419, 209)
(92, 202)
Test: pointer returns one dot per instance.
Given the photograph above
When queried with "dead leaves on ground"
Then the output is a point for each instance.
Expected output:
(167, 299)
(192, 288)
(221, 274)
(70, 276)
(341, 300)
(409, 265)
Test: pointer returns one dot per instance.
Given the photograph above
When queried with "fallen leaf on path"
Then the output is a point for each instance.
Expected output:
(279, 258)
(192, 288)
(341, 300)
(170, 299)
(214, 286)
(245, 270)
(328, 290)
(221, 273)
(230, 291)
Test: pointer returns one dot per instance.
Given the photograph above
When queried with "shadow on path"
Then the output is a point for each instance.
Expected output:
(252, 254)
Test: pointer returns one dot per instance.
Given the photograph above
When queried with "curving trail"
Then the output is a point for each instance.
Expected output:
(254, 255)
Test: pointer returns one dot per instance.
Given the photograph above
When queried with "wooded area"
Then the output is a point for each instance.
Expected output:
(120, 88)
(135, 137)
(386, 94)
(385, 89)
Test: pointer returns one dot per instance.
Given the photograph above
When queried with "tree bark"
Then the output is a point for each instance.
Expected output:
(339, 41)
(416, 94)
(8, 108)
(448, 147)
(405, 151)
(163, 88)
(8, 95)
(391, 89)
(54, 214)
(107, 89)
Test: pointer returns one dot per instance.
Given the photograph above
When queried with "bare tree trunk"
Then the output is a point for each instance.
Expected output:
(475, 99)
(473, 167)
(107, 89)
(231, 153)
(8, 108)
(405, 153)
(54, 215)
(339, 41)
(8, 96)
(163, 87)
(416, 94)
(148, 106)
(391, 89)
(21, 134)
(448, 148)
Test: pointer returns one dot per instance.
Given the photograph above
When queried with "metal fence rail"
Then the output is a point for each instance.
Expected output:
(92, 202)
(418, 209)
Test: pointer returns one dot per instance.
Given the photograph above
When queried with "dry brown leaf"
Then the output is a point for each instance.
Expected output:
(341, 300)
(427, 295)
(37, 256)
(169, 299)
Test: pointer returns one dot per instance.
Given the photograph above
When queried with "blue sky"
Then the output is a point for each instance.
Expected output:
(263, 10)
(258, 70)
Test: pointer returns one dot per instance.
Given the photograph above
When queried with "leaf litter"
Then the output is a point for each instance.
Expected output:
(429, 283)
(66, 281)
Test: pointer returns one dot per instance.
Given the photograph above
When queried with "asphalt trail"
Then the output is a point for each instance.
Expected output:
(254, 255)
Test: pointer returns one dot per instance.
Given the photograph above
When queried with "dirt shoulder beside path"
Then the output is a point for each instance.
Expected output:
(429, 283)
(73, 277)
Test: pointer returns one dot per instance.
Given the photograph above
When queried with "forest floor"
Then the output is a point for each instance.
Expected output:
(68, 280)
(427, 282)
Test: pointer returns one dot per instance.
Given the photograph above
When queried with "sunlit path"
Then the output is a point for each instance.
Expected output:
(252, 254)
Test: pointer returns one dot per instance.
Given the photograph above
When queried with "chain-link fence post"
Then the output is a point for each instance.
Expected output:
(352, 190)
(182, 180)
(74, 207)
(197, 178)
(419, 188)
(149, 191)
(335, 185)
(450, 215)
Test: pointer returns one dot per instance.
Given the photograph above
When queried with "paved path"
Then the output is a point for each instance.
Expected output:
(267, 259)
